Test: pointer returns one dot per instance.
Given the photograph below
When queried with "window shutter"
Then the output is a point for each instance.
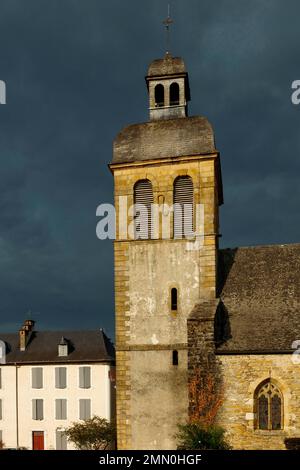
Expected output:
(37, 377)
(37, 409)
(40, 409)
(87, 377)
(61, 440)
(87, 409)
(183, 207)
(60, 377)
(143, 197)
(84, 409)
(81, 409)
(84, 377)
(61, 408)
(81, 377)
(34, 414)
(57, 409)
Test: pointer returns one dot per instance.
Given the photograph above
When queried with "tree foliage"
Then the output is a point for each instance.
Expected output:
(93, 434)
(194, 436)
(200, 432)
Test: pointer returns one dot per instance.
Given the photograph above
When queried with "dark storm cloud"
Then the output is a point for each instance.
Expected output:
(75, 75)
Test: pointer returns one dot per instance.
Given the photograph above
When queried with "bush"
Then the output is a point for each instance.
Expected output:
(92, 434)
(196, 436)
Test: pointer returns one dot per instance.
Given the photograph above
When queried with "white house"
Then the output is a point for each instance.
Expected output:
(49, 379)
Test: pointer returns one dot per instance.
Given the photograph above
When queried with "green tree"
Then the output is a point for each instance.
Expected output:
(195, 436)
(93, 434)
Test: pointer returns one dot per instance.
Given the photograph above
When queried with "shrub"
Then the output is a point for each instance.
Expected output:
(195, 436)
(92, 434)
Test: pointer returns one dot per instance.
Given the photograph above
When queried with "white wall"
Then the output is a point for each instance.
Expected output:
(99, 394)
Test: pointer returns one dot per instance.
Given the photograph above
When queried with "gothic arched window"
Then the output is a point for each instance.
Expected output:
(143, 200)
(183, 198)
(174, 94)
(268, 406)
(159, 93)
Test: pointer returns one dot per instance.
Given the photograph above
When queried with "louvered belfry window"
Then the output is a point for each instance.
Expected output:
(183, 207)
(143, 200)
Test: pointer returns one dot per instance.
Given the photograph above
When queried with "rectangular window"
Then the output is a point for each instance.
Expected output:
(37, 409)
(37, 377)
(0, 409)
(84, 377)
(61, 440)
(61, 409)
(84, 409)
(60, 377)
(1, 438)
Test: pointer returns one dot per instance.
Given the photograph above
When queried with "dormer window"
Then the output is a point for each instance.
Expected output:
(63, 347)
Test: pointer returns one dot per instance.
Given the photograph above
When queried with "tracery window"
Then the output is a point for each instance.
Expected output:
(269, 407)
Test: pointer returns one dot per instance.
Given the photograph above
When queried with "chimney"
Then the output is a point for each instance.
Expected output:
(25, 333)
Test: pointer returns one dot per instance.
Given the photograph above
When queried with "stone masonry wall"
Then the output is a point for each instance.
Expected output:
(241, 375)
(135, 270)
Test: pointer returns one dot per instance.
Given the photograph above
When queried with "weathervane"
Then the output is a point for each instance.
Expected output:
(167, 23)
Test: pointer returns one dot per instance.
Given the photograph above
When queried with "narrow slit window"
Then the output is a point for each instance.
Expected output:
(175, 358)
(174, 299)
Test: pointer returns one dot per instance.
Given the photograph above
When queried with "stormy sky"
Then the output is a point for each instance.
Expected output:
(74, 71)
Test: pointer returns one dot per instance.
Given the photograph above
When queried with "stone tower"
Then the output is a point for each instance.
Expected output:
(158, 279)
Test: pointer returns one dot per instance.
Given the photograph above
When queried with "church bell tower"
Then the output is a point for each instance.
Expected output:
(170, 161)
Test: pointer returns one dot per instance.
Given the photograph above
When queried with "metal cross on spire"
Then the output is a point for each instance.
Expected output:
(167, 23)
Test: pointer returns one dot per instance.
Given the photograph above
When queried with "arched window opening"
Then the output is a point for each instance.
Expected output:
(269, 407)
(174, 299)
(175, 358)
(183, 199)
(159, 95)
(143, 201)
(174, 94)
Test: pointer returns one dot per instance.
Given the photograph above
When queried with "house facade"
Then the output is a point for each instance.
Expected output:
(51, 379)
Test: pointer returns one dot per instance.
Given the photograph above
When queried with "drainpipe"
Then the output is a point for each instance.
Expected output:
(17, 404)
(108, 393)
